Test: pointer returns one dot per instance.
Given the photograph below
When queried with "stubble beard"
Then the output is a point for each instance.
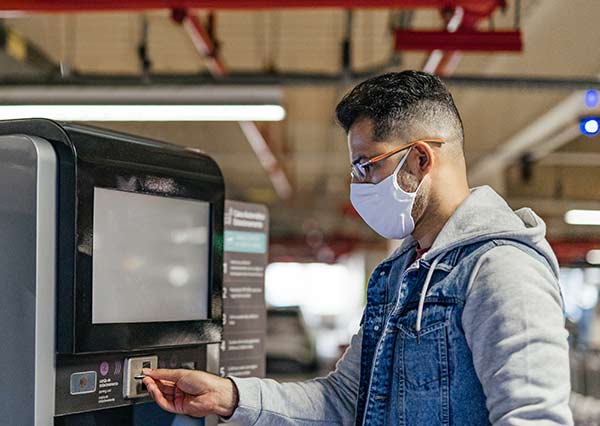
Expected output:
(410, 183)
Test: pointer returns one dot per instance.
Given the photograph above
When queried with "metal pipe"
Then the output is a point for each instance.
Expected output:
(302, 79)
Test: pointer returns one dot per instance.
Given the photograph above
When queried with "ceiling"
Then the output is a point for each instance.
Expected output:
(559, 40)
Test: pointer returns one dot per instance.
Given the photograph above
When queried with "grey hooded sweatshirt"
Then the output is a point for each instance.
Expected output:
(512, 319)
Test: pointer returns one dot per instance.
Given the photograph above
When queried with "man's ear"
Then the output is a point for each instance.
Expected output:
(423, 158)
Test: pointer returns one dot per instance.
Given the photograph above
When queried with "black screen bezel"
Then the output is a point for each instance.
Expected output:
(90, 337)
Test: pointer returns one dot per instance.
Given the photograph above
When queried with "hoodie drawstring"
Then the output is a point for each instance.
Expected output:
(423, 294)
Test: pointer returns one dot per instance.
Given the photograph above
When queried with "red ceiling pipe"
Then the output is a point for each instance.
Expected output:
(445, 62)
(477, 6)
(464, 40)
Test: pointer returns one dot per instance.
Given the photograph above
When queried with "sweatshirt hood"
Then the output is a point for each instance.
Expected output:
(485, 215)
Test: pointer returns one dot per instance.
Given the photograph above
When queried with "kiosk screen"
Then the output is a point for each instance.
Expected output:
(150, 258)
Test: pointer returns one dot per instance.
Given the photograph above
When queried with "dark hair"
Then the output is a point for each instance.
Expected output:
(395, 100)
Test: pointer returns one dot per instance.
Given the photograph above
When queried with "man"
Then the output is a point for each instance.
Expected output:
(463, 323)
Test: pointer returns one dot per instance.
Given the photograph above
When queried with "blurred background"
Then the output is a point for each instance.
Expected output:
(524, 76)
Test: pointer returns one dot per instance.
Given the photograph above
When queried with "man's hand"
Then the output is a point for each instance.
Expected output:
(193, 393)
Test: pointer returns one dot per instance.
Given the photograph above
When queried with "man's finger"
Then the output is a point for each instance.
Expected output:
(148, 381)
(158, 397)
(165, 388)
(165, 374)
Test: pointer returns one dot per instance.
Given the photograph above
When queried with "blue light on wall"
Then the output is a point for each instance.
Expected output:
(589, 126)
(591, 98)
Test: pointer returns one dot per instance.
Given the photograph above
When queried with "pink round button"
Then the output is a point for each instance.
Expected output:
(104, 368)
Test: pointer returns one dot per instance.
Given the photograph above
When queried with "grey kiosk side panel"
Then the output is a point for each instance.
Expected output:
(27, 310)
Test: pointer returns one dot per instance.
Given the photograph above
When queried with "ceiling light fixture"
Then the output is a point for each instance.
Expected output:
(593, 257)
(582, 217)
(591, 98)
(156, 112)
(589, 126)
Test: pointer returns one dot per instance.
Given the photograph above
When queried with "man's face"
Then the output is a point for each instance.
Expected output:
(361, 147)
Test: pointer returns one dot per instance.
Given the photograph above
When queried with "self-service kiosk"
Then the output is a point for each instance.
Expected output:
(111, 253)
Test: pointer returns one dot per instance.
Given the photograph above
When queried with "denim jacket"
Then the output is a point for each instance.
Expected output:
(414, 378)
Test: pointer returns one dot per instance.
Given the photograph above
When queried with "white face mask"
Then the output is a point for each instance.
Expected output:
(385, 206)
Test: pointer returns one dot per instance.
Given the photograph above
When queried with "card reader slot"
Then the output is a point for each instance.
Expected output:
(133, 387)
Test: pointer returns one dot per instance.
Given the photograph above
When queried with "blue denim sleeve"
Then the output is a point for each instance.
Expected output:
(514, 325)
(328, 400)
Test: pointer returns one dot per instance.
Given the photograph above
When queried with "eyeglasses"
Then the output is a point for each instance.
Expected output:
(359, 171)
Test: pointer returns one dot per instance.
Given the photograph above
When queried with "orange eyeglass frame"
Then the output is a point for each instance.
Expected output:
(388, 154)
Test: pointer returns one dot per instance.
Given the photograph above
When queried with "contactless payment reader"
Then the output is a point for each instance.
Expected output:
(111, 254)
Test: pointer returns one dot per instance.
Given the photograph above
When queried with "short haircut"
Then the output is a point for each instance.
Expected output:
(396, 101)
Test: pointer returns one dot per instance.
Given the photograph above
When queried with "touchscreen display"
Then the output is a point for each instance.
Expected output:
(150, 258)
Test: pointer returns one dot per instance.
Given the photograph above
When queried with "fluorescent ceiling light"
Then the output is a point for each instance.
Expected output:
(593, 257)
(145, 112)
(582, 217)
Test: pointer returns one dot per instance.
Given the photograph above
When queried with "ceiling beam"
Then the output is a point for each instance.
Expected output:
(202, 40)
(571, 159)
(552, 143)
(267, 159)
(120, 5)
(532, 137)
